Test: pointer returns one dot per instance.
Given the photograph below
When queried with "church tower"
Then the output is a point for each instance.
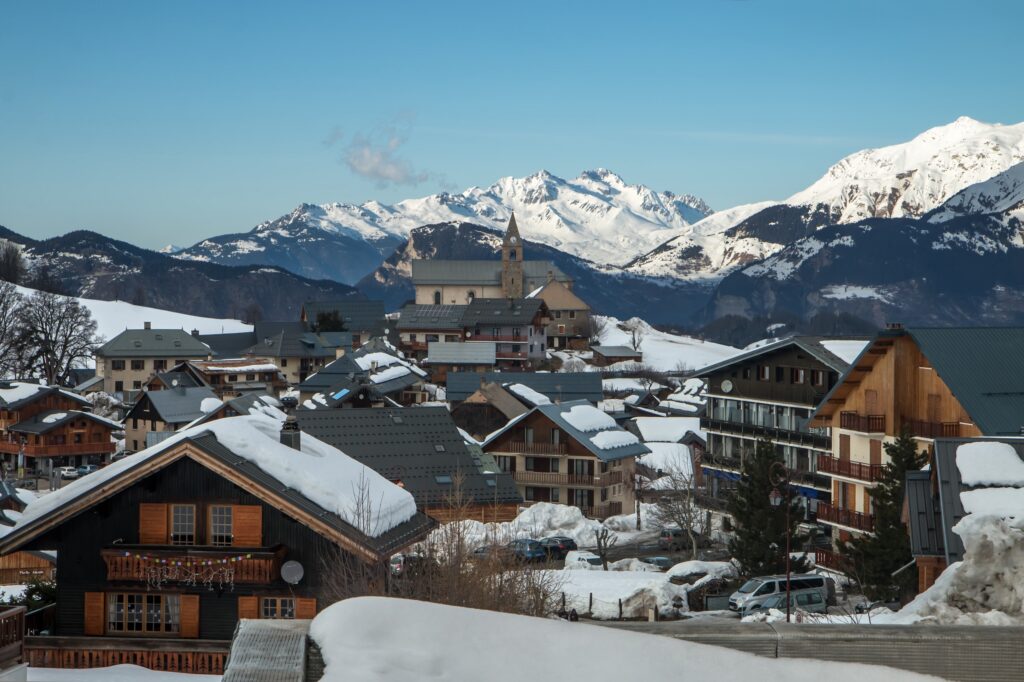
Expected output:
(512, 261)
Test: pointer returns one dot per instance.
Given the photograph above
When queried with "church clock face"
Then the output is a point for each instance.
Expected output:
(513, 240)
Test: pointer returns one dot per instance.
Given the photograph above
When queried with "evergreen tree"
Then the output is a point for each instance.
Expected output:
(759, 543)
(329, 321)
(874, 558)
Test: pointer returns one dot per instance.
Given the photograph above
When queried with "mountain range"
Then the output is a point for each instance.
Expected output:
(926, 231)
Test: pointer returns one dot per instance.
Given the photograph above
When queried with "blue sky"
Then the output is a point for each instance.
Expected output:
(169, 122)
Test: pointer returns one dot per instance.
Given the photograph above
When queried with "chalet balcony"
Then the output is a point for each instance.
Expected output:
(865, 423)
(145, 563)
(926, 429)
(845, 517)
(197, 656)
(521, 448)
(552, 478)
(844, 467)
(828, 559)
(804, 438)
(12, 636)
(103, 448)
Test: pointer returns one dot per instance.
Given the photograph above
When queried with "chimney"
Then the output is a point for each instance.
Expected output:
(195, 332)
(894, 326)
(290, 434)
(147, 325)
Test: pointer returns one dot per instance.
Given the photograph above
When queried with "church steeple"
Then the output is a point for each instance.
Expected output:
(512, 261)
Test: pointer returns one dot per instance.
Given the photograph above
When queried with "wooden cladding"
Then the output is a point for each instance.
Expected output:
(204, 657)
(305, 607)
(190, 616)
(95, 612)
(250, 607)
(155, 523)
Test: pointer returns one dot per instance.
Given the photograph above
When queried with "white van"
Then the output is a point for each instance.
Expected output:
(756, 590)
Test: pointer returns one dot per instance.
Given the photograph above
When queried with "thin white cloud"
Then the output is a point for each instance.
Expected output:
(377, 155)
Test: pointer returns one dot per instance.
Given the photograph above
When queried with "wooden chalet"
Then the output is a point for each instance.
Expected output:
(160, 554)
(50, 427)
(932, 382)
(158, 413)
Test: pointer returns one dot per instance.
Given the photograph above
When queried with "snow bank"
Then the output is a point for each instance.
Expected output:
(114, 673)
(598, 593)
(666, 352)
(989, 464)
(375, 639)
(609, 440)
(588, 418)
(1001, 502)
(715, 569)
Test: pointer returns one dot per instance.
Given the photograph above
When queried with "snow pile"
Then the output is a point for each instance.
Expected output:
(321, 473)
(115, 673)
(588, 418)
(55, 417)
(694, 568)
(989, 464)
(531, 396)
(667, 429)
(598, 593)
(209, 405)
(374, 639)
(376, 359)
(389, 374)
(609, 440)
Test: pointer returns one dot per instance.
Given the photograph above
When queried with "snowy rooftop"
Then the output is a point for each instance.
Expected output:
(667, 429)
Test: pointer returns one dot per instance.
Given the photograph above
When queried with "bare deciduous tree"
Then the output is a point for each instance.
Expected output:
(55, 334)
(637, 331)
(676, 506)
(605, 541)
(10, 313)
(595, 329)
(12, 264)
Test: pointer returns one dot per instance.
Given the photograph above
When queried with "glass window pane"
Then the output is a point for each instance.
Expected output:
(220, 525)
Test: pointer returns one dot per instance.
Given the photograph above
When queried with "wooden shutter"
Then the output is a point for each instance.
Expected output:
(152, 524)
(190, 616)
(305, 607)
(95, 617)
(248, 607)
(876, 451)
(844, 447)
(247, 525)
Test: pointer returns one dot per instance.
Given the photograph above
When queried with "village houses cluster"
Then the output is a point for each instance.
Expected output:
(216, 471)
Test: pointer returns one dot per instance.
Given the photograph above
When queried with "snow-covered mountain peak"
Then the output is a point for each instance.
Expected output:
(911, 178)
(1002, 195)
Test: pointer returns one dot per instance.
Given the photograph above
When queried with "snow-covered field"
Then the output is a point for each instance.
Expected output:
(113, 317)
(373, 639)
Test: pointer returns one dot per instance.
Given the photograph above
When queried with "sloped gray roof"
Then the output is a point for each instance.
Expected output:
(182, 378)
(414, 445)
(16, 394)
(470, 353)
(557, 386)
(616, 351)
(178, 405)
(478, 272)
(51, 419)
(294, 339)
(812, 345)
(332, 373)
(485, 312)
(175, 343)
(233, 345)
(925, 518)
(416, 316)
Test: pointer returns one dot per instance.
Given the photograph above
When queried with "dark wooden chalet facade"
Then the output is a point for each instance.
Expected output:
(162, 553)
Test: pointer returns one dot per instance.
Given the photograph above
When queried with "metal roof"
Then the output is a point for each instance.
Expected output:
(178, 405)
(233, 345)
(486, 312)
(809, 344)
(924, 518)
(414, 445)
(417, 316)
(51, 419)
(479, 272)
(616, 351)
(358, 316)
(177, 378)
(341, 369)
(266, 650)
(16, 394)
(149, 343)
(294, 339)
(557, 386)
(470, 353)
(984, 369)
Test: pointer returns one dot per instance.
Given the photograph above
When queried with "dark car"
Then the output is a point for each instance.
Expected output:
(672, 538)
(662, 563)
(558, 546)
(526, 550)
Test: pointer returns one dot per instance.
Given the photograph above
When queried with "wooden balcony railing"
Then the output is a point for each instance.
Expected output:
(102, 448)
(140, 563)
(926, 429)
(845, 517)
(844, 467)
(12, 635)
(602, 511)
(197, 656)
(796, 436)
(865, 423)
(521, 448)
(828, 559)
(610, 478)
(551, 478)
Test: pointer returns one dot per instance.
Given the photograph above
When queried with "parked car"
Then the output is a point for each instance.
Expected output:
(583, 560)
(405, 565)
(672, 539)
(757, 589)
(558, 546)
(662, 563)
(87, 469)
(486, 551)
(527, 550)
(810, 601)
(68, 472)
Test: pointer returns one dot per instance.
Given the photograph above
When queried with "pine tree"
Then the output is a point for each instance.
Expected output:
(759, 543)
(874, 558)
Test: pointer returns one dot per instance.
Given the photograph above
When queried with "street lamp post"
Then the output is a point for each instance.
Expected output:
(780, 477)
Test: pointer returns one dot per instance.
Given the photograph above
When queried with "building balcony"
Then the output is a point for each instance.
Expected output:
(197, 656)
(834, 466)
(571, 480)
(846, 518)
(602, 511)
(864, 423)
(500, 338)
(826, 558)
(145, 563)
(926, 429)
(510, 355)
(803, 438)
(521, 448)
(9, 448)
(12, 636)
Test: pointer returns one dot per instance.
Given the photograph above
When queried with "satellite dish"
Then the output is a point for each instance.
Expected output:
(726, 386)
(292, 572)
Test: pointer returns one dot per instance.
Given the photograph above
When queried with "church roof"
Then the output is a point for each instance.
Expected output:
(478, 272)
